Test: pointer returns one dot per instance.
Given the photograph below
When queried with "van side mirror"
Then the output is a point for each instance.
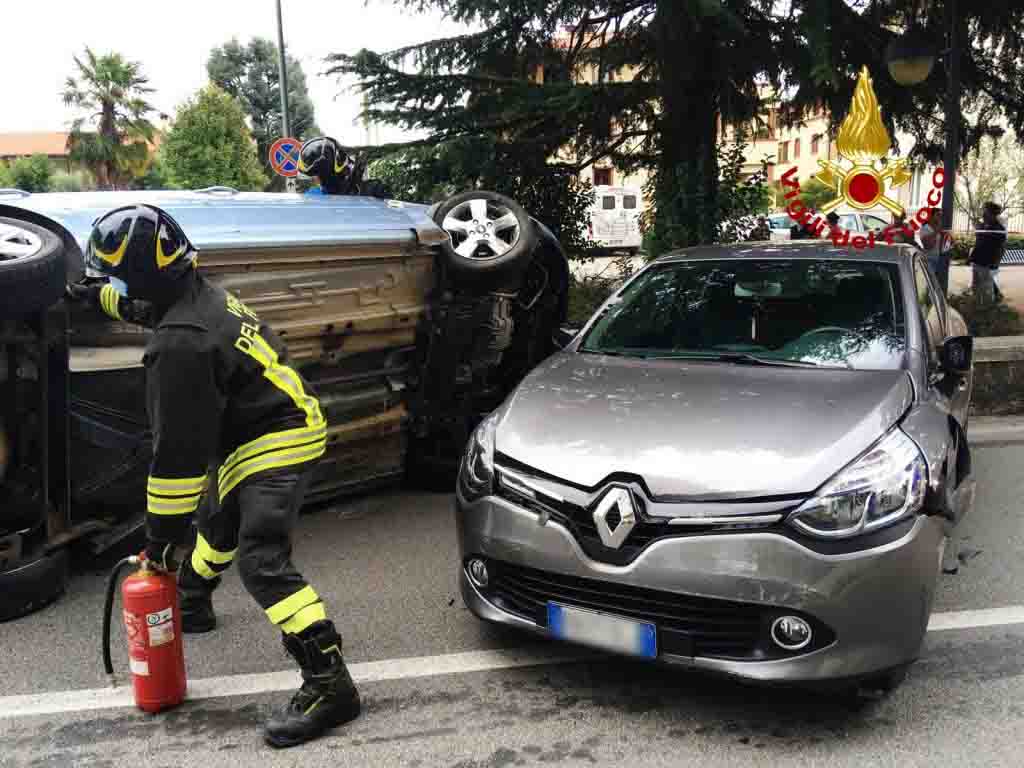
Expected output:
(957, 355)
(564, 334)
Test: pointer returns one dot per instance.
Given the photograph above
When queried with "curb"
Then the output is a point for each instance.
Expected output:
(996, 430)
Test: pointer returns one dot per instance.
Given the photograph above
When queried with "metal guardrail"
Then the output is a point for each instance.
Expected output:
(1014, 256)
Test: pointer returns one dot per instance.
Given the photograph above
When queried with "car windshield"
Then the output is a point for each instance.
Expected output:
(822, 312)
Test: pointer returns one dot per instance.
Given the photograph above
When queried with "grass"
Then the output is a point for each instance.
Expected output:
(997, 319)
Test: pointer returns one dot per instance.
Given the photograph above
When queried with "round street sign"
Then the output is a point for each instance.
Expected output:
(284, 157)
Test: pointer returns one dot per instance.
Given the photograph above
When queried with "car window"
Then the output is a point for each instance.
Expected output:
(931, 311)
(779, 222)
(836, 313)
(874, 223)
(849, 222)
(629, 202)
(608, 203)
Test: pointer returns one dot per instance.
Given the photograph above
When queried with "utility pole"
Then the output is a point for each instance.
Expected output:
(952, 155)
(282, 73)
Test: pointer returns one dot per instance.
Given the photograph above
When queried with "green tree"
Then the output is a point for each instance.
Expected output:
(112, 93)
(6, 179)
(209, 144)
(647, 83)
(32, 174)
(250, 74)
(993, 171)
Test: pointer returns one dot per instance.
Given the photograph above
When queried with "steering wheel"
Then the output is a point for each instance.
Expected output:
(829, 329)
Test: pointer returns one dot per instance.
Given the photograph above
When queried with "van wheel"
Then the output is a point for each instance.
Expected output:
(31, 267)
(33, 585)
(491, 238)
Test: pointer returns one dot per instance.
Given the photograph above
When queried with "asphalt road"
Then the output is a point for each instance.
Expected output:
(385, 565)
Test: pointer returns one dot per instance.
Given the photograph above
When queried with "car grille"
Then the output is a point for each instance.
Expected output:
(580, 523)
(687, 625)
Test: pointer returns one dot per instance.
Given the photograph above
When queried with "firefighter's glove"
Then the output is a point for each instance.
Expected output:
(85, 293)
(102, 296)
(163, 556)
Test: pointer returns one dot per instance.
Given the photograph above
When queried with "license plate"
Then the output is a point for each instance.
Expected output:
(603, 630)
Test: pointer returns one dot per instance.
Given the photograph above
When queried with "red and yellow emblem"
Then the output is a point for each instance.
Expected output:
(863, 140)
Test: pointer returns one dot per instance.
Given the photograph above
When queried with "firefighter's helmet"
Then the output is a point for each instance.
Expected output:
(142, 247)
(326, 159)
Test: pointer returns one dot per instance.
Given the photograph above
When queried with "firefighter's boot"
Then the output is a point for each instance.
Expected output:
(195, 596)
(327, 697)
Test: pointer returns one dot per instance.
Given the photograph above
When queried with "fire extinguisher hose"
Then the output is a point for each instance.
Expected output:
(108, 609)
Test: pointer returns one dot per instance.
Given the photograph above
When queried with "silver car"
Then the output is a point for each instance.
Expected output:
(749, 461)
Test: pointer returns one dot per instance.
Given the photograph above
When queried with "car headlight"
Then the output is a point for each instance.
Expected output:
(476, 475)
(884, 485)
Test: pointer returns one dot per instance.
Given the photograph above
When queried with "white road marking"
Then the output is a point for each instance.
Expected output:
(56, 702)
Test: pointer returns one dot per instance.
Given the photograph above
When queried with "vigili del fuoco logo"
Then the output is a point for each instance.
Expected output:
(863, 141)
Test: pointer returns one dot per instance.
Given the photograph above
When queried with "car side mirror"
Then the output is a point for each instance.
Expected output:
(564, 334)
(957, 355)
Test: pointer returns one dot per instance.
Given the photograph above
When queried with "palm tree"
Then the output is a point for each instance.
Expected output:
(112, 93)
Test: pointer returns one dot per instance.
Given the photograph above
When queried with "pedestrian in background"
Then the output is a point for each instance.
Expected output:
(989, 241)
(937, 247)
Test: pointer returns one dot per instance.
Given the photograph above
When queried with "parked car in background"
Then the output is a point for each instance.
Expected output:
(748, 462)
(615, 218)
(411, 323)
(783, 227)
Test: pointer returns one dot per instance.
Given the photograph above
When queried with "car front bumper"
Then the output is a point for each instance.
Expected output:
(875, 602)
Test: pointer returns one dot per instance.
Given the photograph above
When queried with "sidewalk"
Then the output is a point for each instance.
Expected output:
(995, 430)
(1011, 283)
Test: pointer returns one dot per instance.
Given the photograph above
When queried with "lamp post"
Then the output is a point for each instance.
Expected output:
(910, 59)
(282, 74)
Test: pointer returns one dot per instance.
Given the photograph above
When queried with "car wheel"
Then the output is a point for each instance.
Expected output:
(32, 585)
(491, 238)
(31, 267)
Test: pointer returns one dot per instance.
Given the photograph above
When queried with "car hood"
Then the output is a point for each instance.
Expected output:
(697, 430)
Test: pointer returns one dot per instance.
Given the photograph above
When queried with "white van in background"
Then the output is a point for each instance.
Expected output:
(615, 218)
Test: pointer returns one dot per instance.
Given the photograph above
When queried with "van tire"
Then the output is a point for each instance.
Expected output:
(35, 280)
(33, 585)
(484, 269)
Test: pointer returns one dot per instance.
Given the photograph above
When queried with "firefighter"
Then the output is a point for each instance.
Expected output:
(337, 172)
(236, 427)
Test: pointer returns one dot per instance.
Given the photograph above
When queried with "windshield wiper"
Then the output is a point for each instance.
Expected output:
(740, 358)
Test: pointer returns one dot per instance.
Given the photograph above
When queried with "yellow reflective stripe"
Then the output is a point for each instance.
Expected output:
(295, 602)
(303, 618)
(200, 566)
(270, 441)
(108, 301)
(285, 379)
(314, 705)
(177, 485)
(158, 506)
(211, 555)
(271, 460)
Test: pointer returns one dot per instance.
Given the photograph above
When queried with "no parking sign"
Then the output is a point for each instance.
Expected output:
(284, 157)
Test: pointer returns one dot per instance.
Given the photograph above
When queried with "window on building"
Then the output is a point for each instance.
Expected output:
(608, 203)
(602, 177)
(629, 202)
(784, 152)
(796, 148)
(815, 143)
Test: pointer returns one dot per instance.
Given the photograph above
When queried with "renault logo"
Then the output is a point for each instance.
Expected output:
(619, 501)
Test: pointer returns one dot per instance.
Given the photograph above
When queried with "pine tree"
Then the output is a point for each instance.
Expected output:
(555, 85)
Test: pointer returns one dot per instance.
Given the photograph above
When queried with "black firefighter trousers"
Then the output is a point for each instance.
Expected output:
(253, 524)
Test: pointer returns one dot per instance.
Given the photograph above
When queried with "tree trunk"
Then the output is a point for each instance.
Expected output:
(686, 43)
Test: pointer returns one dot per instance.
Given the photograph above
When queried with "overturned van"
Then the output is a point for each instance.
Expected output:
(411, 322)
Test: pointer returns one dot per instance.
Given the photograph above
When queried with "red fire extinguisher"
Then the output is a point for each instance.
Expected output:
(152, 623)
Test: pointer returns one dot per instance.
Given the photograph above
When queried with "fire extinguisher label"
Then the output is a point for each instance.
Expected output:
(138, 667)
(161, 627)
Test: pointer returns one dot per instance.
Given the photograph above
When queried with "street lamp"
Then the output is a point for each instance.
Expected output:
(910, 59)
